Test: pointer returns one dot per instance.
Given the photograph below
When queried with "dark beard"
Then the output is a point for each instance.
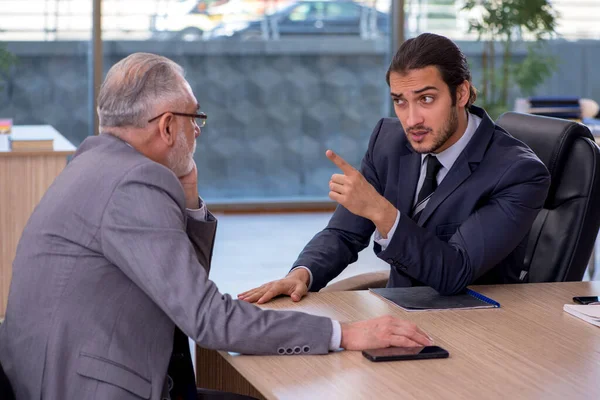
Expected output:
(446, 132)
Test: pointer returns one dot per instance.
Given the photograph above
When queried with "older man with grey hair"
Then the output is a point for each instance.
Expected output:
(111, 273)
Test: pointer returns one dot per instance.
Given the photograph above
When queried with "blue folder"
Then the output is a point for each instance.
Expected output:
(425, 298)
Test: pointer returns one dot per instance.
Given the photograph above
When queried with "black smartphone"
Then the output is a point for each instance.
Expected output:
(405, 353)
(586, 299)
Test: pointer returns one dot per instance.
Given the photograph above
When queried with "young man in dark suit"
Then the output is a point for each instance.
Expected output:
(449, 195)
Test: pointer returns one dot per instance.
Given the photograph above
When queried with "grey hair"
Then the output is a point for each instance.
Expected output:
(135, 86)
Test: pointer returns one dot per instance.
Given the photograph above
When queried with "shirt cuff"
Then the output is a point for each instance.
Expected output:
(198, 214)
(309, 273)
(336, 336)
(385, 242)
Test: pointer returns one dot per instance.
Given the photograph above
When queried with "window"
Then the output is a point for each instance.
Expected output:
(278, 88)
(341, 10)
(301, 12)
(44, 49)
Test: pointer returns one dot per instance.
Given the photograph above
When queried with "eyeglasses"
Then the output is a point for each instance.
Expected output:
(200, 117)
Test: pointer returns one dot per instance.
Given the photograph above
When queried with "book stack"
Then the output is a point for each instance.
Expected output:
(5, 126)
(557, 107)
(31, 144)
(28, 142)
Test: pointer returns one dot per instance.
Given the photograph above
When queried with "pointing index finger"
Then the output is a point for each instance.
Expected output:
(340, 162)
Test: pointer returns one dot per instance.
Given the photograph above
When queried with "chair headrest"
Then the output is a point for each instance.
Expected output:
(550, 139)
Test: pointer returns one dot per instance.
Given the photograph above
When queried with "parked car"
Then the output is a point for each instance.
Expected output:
(311, 17)
(191, 19)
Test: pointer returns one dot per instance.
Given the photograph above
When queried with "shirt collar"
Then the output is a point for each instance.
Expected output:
(450, 155)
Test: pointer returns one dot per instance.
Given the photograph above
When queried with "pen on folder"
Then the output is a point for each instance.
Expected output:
(483, 298)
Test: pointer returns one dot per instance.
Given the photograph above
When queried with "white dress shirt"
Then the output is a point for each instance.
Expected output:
(447, 158)
(200, 213)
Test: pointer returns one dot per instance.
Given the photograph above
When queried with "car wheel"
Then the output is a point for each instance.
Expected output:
(190, 34)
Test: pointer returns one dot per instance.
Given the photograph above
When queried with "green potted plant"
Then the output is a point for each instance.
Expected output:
(504, 23)
(7, 59)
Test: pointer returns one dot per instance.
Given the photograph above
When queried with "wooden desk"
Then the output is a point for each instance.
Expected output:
(24, 178)
(528, 349)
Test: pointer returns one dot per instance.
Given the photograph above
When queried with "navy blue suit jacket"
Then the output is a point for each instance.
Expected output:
(474, 228)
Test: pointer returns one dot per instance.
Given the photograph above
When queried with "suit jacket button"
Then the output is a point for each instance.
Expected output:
(391, 261)
(289, 350)
(306, 349)
(297, 350)
(281, 350)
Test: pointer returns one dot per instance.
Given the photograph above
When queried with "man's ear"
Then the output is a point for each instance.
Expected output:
(166, 128)
(463, 92)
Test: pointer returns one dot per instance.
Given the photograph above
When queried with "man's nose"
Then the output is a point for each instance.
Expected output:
(414, 117)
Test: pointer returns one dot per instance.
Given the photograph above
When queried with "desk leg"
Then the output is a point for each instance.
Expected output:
(23, 181)
(213, 372)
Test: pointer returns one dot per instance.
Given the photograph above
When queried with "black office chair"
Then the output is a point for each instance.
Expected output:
(6, 392)
(563, 234)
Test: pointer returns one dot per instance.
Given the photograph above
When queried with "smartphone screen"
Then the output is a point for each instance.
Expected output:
(586, 299)
(405, 353)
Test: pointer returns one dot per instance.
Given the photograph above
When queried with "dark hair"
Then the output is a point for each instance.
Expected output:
(429, 49)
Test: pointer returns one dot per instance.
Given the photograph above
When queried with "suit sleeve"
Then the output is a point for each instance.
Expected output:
(202, 236)
(330, 251)
(482, 240)
(143, 233)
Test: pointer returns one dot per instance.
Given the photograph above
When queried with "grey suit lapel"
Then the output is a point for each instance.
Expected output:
(468, 160)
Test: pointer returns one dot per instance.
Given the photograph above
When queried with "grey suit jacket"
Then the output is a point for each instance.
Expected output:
(107, 265)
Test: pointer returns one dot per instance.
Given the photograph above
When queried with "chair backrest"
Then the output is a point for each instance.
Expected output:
(563, 235)
(6, 392)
